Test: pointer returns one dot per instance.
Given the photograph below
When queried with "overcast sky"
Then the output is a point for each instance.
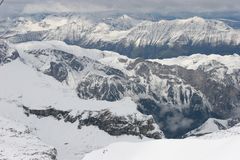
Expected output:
(163, 6)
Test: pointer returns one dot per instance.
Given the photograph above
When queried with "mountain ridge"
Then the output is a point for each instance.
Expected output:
(135, 38)
(159, 87)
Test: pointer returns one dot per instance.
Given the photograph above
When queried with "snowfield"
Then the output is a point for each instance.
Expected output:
(17, 142)
(219, 145)
(70, 142)
(187, 149)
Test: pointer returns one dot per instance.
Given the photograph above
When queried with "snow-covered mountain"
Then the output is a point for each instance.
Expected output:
(93, 77)
(180, 98)
(128, 36)
(213, 125)
(50, 107)
(59, 88)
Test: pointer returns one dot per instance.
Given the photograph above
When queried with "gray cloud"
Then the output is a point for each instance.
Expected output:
(162, 6)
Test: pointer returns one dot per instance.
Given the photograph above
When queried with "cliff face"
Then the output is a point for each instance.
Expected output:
(7, 53)
(105, 120)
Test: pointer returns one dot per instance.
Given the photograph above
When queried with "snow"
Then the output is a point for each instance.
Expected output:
(107, 58)
(71, 143)
(72, 49)
(227, 64)
(42, 62)
(194, 30)
(36, 90)
(17, 142)
(75, 50)
(220, 145)
(209, 126)
(233, 131)
(186, 149)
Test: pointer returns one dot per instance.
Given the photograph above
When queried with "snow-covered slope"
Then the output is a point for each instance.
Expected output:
(51, 107)
(205, 147)
(17, 142)
(181, 31)
(210, 126)
(196, 61)
(123, 22)
(231, 132)
(70, 142)
(187, 149)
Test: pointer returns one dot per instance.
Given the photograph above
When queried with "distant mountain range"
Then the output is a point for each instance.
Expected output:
(129, 36)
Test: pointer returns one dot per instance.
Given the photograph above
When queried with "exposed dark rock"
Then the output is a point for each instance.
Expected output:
(76, 65)
(108, 88)
(104, 120)
(58, 71)
(112, 71)
(192, 96)
(7, 54)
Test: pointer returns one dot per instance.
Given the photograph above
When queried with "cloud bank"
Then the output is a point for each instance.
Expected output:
(162, 6)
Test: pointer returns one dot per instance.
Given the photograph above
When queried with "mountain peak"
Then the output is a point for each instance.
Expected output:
(195, 19)
(125, 17)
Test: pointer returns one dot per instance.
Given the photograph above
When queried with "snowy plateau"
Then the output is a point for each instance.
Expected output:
(67, 94)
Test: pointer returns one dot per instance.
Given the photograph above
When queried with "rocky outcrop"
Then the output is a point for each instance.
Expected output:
(58, 71)
(105, 120)
(110, 88)
(7, 54)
